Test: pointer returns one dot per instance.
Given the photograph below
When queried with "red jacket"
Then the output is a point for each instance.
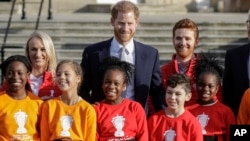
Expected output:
(47, 88)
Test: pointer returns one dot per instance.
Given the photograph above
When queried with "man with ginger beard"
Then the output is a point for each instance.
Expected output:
(185, 40)
(146, 80)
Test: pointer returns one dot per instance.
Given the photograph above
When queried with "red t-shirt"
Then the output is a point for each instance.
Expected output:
(215, 119)
(125, 121)
(183, 128)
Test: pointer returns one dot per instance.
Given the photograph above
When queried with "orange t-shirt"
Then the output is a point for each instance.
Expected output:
(19, 118)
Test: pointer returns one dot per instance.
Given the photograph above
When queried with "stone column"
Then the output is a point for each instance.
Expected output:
(227, 4)
(112, 1)
(217, 5)
(245, 5)
(202, 4)
(158, 2)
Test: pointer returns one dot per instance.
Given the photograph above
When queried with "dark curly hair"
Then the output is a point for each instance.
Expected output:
(114, 63)
(208, 63)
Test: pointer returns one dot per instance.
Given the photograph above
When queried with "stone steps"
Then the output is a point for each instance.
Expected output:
(160, 42)
(161, 8)
(71, 36)
(91, 38)
(76, 54)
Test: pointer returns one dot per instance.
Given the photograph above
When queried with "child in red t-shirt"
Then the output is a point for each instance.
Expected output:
(119, 118)
(174, 123)
(214, 117)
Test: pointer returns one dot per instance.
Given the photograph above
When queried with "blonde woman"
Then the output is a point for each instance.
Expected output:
(40, 51)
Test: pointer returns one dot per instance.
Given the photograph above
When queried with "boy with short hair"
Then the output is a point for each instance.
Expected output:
(174, 122)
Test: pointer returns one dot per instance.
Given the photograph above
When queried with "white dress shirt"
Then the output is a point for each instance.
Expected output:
(130, 57)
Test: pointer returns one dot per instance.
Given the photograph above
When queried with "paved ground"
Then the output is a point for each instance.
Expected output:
(172, 18)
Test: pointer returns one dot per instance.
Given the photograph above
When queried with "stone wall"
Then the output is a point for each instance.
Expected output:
(74, 6)
(236, 5)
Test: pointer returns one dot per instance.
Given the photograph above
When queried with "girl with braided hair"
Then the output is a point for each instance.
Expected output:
(119, 118)
(214, 117)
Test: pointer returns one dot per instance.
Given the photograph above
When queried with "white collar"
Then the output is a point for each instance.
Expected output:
(129, 46)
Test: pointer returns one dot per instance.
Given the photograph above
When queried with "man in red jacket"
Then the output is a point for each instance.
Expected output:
(185, 40)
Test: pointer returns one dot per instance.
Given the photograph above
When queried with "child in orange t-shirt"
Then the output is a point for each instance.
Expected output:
(68, 117)
(19, 108)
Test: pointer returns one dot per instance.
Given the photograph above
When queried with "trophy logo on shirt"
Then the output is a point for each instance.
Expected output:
(21, 119)
(118, 122)
(203, 120)
(170, 135)
(66, 122)
(52, 93)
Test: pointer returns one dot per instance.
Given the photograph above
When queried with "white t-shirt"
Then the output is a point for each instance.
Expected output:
(35, 83)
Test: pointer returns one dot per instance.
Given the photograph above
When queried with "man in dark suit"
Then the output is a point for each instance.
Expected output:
(237, 73)
(147, 77)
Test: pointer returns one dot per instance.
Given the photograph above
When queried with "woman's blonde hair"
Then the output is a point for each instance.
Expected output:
(49, 47)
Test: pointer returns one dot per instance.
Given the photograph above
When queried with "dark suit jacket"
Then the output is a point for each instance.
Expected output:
(235, 80)
(147, 73)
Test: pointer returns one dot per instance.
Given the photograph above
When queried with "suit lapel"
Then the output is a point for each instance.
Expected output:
(245, 58)
(139, 60)
(105, 50)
